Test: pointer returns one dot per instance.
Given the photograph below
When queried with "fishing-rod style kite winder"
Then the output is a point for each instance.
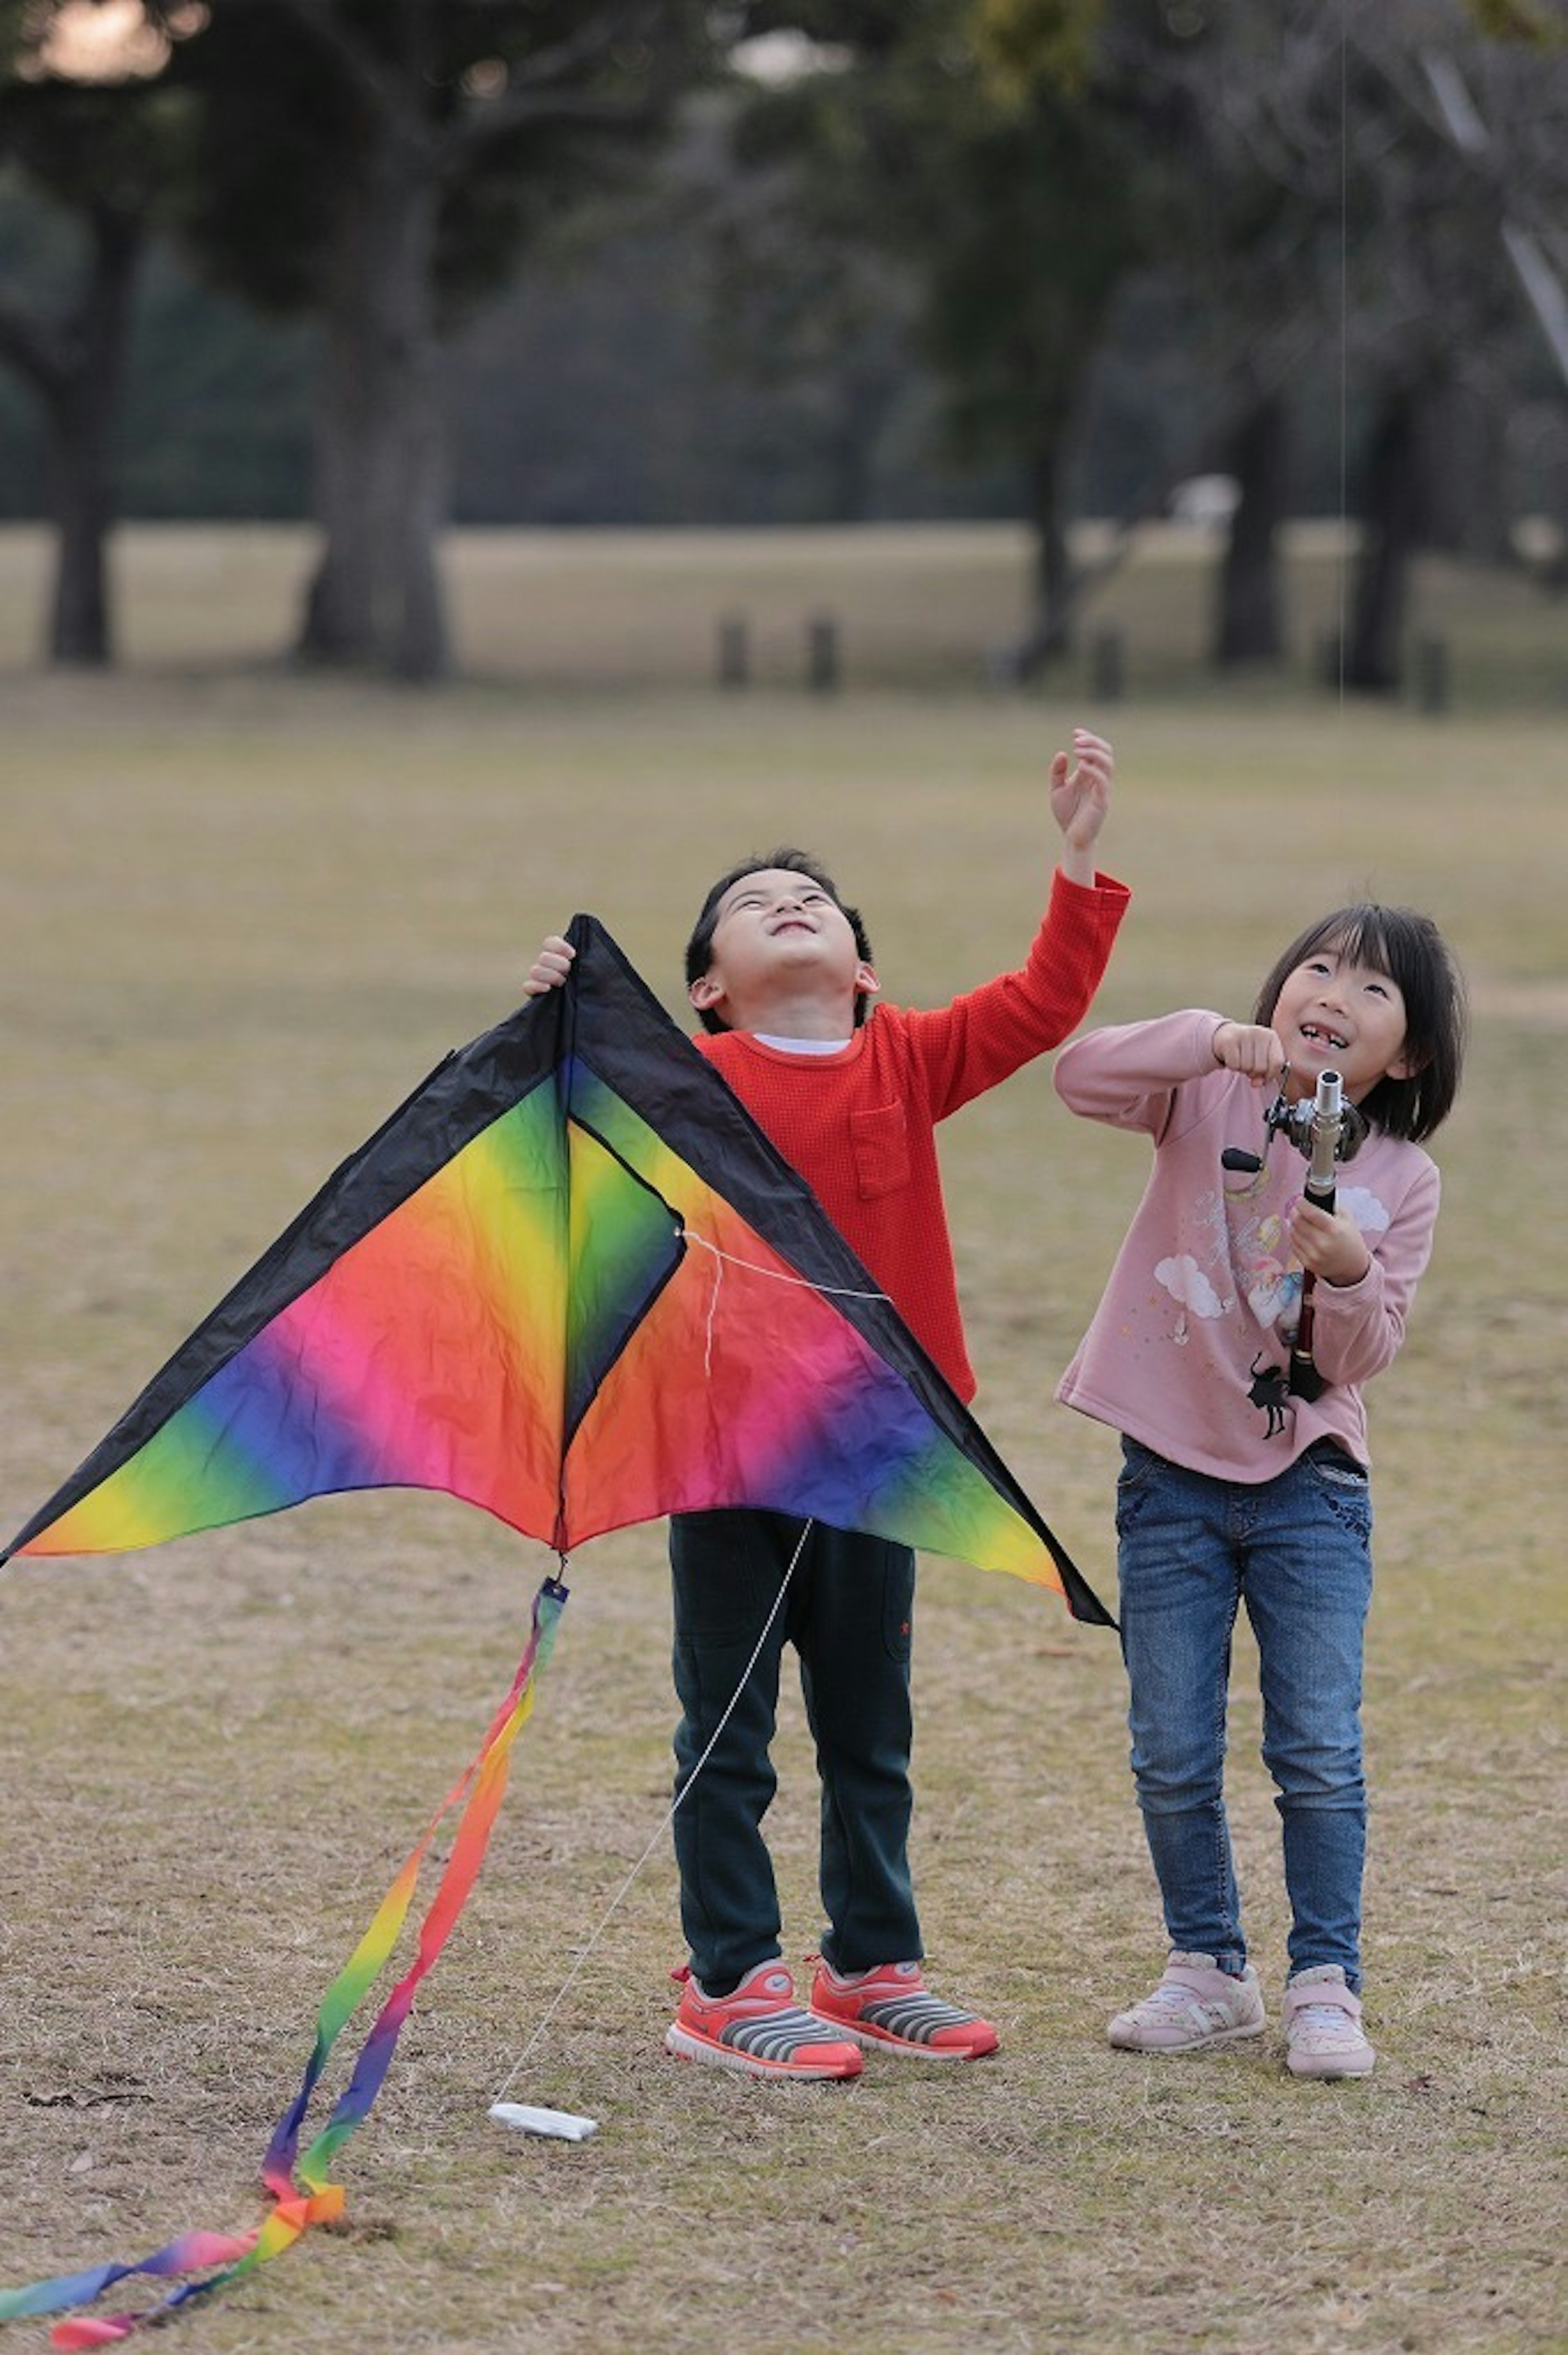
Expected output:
(570, 1281)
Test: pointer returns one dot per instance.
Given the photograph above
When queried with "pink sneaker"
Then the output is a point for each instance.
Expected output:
(1195, 2005)
(760, 2028)
(1323, 2027)
(893, 2009)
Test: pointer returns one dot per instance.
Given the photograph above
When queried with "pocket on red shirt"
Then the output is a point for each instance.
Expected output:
(881, 1150)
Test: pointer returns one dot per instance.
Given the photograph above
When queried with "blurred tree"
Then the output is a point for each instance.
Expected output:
(706, 364)
(217, 408)
(1430, 329)
(1015, 203)
(384, 168)
(92, 158)
(1321, 199)
(1541, 23)
(801, 301)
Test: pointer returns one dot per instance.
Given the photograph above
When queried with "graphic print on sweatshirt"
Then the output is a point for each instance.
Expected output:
(1235, 1262)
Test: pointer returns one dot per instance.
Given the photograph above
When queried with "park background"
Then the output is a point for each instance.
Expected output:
(256, 882)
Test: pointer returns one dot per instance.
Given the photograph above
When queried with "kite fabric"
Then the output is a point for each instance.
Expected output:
(572, 1282)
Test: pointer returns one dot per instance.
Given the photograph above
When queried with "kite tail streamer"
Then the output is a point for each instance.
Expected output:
(302, 2194)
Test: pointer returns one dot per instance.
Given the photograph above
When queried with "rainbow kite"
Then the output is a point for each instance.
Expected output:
(570, 1281)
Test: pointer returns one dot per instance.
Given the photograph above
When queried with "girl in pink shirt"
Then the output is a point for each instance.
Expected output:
(1240, 1487)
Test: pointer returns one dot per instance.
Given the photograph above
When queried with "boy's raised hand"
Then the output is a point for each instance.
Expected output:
(1080, 796)
(550, 967)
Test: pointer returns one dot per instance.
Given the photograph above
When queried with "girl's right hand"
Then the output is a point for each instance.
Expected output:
(550, 967)
(1248, 1047)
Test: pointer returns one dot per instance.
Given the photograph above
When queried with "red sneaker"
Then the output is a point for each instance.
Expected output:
(760, 2028)
(893, 2009)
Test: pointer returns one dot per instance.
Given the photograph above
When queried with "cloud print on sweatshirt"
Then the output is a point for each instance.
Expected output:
(1185, 1282)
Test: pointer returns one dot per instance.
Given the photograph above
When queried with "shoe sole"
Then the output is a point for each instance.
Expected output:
(876, 2040)
(1198, 2044)
(1316, 2073)
(688, 2047)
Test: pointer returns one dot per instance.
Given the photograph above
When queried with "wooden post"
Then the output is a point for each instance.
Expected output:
(733, 651)
(822, 667)
(1431, 675)
(1107, 670)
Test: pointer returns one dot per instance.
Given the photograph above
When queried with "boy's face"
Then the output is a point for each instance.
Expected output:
(780, 939)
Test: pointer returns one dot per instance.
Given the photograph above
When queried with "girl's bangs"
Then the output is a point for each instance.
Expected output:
(1364, 936)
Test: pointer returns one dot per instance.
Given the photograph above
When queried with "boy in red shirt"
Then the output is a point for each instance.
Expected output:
(779, 971)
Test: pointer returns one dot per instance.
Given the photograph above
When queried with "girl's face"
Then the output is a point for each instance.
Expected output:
(1334, 1016)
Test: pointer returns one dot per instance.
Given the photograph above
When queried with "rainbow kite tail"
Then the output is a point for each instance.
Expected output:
(302, 2194)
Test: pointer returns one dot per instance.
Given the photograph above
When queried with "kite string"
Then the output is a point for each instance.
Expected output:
(668, 1817)
(301, 2195)
(775, 1274)
(1342, 570)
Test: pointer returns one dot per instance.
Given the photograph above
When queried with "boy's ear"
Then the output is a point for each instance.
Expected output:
(866, 981)
(705, 992)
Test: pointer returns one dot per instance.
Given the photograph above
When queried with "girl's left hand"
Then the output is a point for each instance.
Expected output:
(1329, 1243)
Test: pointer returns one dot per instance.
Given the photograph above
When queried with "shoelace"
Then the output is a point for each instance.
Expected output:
(1325, 2019)
(1165, 1998)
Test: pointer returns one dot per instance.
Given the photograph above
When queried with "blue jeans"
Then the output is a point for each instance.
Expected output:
(1296, 1550)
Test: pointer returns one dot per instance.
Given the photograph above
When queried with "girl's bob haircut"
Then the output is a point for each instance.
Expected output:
(1410, 949)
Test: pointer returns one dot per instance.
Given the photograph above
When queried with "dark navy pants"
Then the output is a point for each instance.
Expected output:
(848, 1613)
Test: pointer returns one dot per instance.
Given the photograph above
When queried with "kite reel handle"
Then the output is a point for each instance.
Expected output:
(1323, 1126)
(1328, 1130)
(1312, 1128)
(1325, 1129)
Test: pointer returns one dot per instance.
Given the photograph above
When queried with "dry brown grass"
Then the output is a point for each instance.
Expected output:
(921, 608)
(239, 916)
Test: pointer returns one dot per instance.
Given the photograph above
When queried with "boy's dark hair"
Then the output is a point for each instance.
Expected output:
(700, 948)
(1410, 949)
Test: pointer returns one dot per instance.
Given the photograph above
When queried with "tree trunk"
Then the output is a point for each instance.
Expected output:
(79, 629)
(77, 371)
(1394, 518)
(1053, 560)
(375, 600)
(1465, 434)
(1249, 614)
(861, 401)
(1053, 582)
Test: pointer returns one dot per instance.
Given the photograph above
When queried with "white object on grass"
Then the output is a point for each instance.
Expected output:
(559, 2123)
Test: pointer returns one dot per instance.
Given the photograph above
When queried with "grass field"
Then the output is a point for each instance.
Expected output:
(916, 608)
(240, 915)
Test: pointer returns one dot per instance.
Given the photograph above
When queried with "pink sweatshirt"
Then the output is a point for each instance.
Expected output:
(1202, 1304)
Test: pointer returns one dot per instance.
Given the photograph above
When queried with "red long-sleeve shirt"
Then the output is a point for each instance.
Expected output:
(860, 1124)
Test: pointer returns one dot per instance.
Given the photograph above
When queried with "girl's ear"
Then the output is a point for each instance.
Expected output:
(1407, 1063)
